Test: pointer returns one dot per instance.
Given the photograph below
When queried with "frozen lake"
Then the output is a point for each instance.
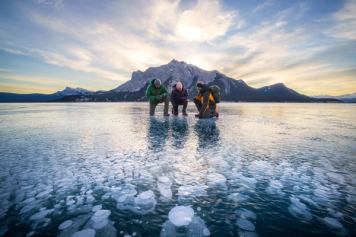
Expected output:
(108, 169)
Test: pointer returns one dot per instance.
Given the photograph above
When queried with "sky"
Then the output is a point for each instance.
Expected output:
(46, 45)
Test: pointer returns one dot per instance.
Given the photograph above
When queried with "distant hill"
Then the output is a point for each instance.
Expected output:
(134, 89)
(348, 98)
(36, 97)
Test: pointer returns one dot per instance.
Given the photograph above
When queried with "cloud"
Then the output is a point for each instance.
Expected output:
(204, 22)
(344, 25)
(263, 6)
(52, 3)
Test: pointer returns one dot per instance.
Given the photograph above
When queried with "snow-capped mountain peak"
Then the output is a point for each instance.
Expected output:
(73, 91)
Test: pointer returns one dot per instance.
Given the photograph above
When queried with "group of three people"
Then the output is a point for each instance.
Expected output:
(205, 102)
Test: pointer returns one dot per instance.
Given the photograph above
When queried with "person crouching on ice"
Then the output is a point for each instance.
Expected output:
(179, 96)
(205, 102)
(157, 93)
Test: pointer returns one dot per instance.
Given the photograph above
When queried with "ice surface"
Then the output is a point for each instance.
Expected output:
(79, 166)
(245, 224)
(181, 215)
(3, 230)
(84, 233)
(65, 224)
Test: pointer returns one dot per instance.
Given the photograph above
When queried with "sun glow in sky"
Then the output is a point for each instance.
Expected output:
(46, 45)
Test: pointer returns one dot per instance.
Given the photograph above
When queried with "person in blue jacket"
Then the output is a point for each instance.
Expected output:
(179, 96)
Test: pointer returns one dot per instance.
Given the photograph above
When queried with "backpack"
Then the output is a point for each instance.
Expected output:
(215, 91)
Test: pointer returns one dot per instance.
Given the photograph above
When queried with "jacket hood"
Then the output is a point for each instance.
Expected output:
(204, 88)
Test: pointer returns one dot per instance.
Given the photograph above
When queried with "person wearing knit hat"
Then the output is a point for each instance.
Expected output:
(157, 93)
(179, 96)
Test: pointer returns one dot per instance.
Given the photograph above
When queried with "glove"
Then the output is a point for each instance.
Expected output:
(159, 97)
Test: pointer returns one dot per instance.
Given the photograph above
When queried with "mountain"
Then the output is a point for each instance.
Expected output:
(231, 89)
(36, 97)
(134, 89)
(348, 98)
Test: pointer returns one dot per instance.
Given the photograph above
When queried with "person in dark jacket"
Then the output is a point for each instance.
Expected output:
(205, 102)
(179, 96)
(157, 93)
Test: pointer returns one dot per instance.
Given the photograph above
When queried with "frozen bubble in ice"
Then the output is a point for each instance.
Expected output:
(196, 228)
(247, 234)
(100, 215)
(249, 183)
(44, 193)
(97, 208)
(299, 209)
(246, 214)
(164, 186)
(261, 168)
(99, 224)
(181, 215)
(332, 223)
(245, 224)
(125, 202)
(84, 233)
(308, 200)
(145, 202)
(29, 234)
(165, 180)
(237, 197)
(29, 200)
(216, 179)
(335, 177)
(275, 187)
(40, 215)
(129, 189)
(29, 208)
(206, 232)
(191, 191)
(65, 224)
